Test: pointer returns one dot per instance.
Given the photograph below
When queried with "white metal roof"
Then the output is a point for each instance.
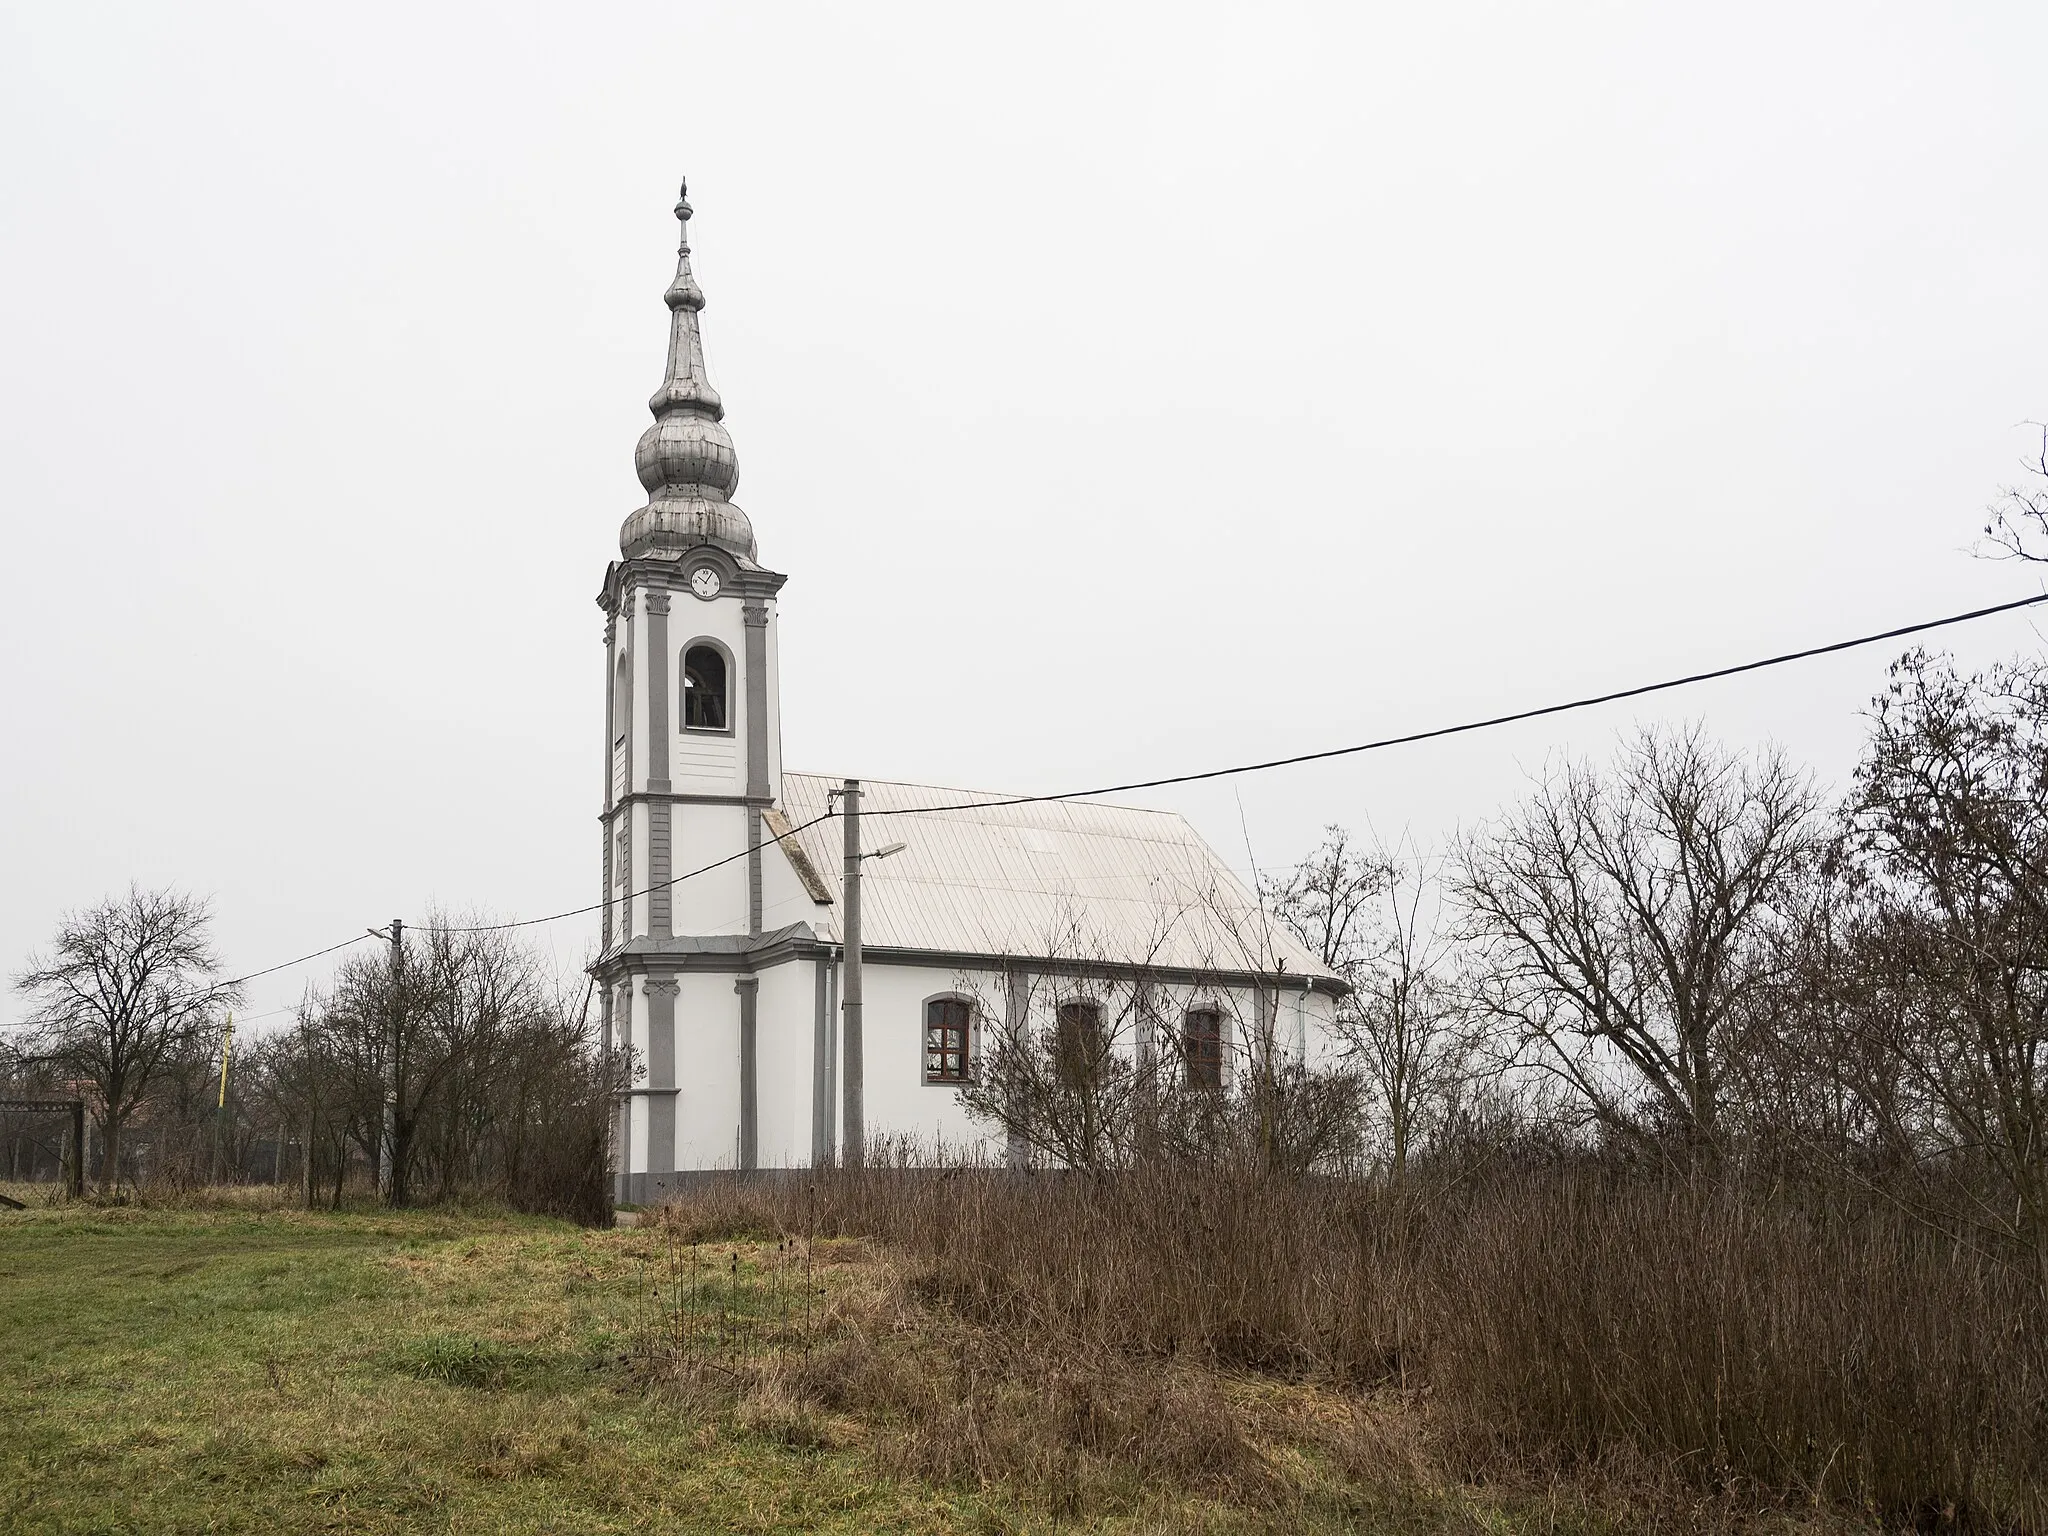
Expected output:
(1069, 879)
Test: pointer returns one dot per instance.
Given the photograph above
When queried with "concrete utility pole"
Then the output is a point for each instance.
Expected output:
(852, 1063)
(853, 1116)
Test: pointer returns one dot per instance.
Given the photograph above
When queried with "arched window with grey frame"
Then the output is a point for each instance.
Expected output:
(948, 1033)
(706, 688)
(1080, 1044)
(1201, 1047)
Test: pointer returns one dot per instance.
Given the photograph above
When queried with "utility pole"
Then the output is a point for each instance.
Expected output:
(388, 1144)
(853, 1115)
(854, 1131)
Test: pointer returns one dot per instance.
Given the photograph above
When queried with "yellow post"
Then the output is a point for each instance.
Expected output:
(227, 1046)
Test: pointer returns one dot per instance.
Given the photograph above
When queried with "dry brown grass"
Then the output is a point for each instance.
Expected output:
(1705, 1352)
(928, 1392)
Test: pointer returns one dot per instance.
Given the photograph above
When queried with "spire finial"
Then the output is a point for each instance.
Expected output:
(686, 458)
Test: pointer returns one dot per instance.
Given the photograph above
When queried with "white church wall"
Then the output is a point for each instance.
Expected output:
(714, 902)
(900, 1103)
(1319, 1029)
(784, 898)
(783, 1044)
(707, 1070)
(897, 1099)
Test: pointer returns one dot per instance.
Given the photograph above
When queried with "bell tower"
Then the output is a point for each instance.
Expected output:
(693, 752)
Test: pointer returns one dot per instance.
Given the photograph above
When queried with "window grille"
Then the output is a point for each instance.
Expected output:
(946, 1023)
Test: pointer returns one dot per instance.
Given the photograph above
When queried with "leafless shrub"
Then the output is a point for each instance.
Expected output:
(1407, 1033)
(1085, 1063)
(1560, 1314)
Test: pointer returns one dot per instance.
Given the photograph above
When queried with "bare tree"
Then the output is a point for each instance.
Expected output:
(1406, 1021)
(122, 990)
(498, 1083)
(2018, 527)
(1370, 915)
(1329, 900)
(1623, 922)
(1949, 823)
(1066, 1073)
(302, 1085)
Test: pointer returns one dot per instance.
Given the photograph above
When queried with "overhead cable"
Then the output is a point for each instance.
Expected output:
(1433, 734)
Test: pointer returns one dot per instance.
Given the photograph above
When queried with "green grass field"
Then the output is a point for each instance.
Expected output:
(216, 1371)
(249, 1370)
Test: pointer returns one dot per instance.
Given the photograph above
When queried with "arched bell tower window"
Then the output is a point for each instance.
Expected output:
(706, 682)
(622, 698)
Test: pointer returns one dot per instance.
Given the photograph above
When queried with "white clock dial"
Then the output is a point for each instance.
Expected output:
(704, 581)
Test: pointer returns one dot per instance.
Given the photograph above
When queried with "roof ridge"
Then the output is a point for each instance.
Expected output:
(1001, 798)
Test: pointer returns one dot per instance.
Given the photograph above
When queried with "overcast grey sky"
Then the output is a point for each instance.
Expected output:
(1125, 390)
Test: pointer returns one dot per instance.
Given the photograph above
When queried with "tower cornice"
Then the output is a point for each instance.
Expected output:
(669, 573)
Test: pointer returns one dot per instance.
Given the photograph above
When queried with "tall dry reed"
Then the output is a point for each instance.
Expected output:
(1729, 1332)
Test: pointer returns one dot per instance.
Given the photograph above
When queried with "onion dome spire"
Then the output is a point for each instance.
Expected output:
(686, 459)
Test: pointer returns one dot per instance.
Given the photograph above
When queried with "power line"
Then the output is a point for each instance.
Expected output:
(1329, 752)
(268, 970)
(286, 965)
(1480, 725)
(1380, 744)
(599, 906)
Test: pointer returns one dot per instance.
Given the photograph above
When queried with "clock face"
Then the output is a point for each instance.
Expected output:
(704, 581)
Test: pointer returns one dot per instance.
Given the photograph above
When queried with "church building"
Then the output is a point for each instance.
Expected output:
(723, 967)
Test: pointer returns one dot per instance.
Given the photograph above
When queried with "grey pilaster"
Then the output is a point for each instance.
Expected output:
(624, 845)
(821, 1066)
(611, 672)
(660, 894)
(622, 1016)
(754, 907)
(756, 617)
(1016, 1020)
(614, 1150)
(749, 990)
(626, 624)
(661, 1073)
(832, 1054)
(604, 832)
(657, 690)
